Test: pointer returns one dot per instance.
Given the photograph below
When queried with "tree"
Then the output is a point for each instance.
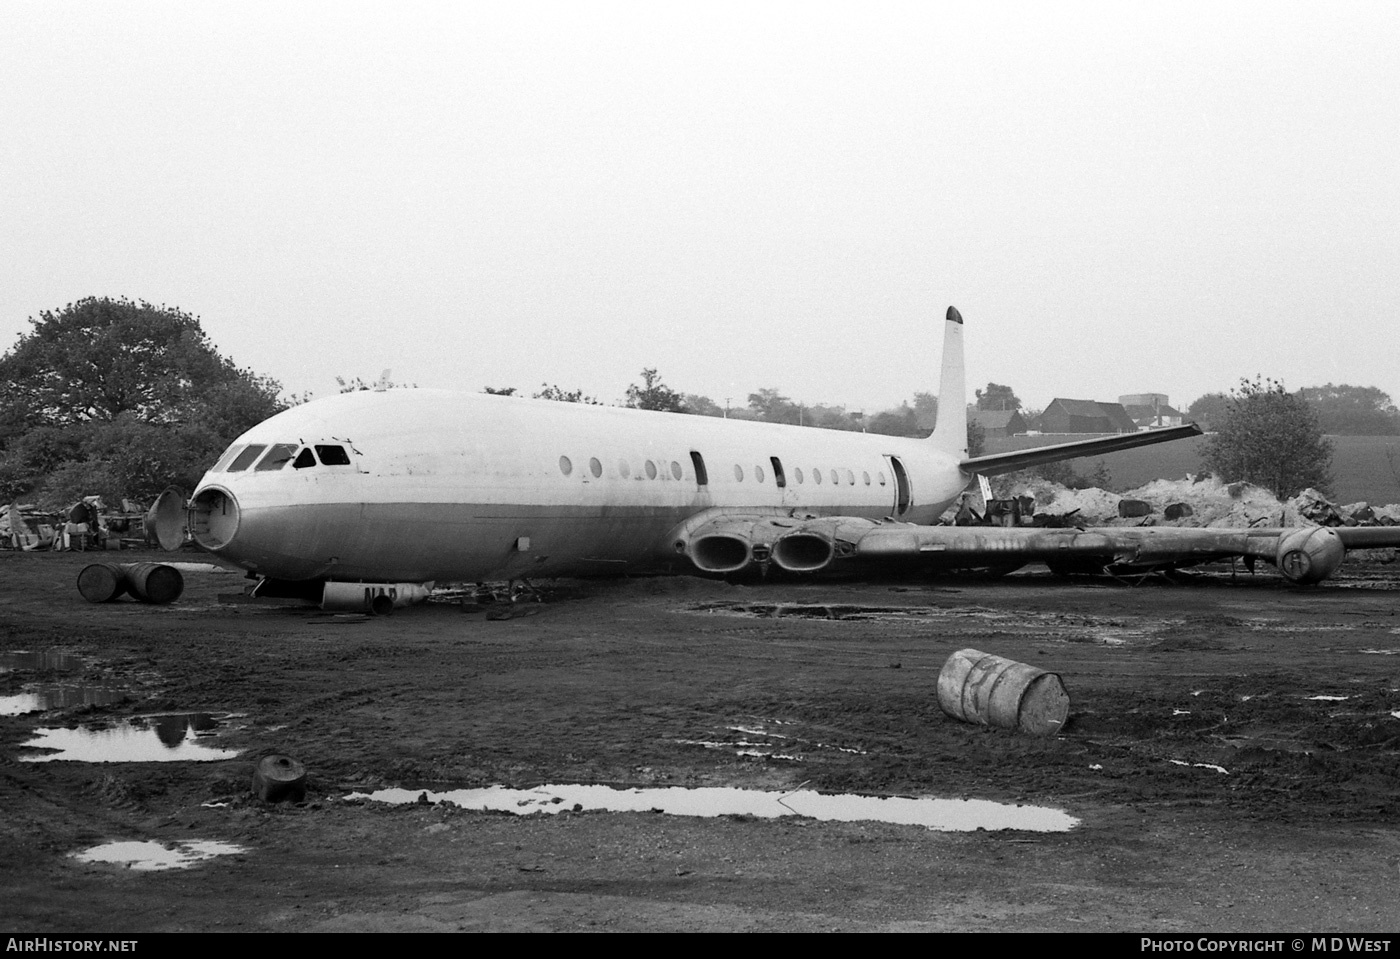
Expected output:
(1209, 410)
(1353, 410)
(119, 398)
(773, 407)
(926, 410)
(899, 421)
(551, 392)
(997, 397)
(702, 405)
(976, 439)
(654, 395)
(830, 417)
(1271, 438)
(500, 390)
(358, 385)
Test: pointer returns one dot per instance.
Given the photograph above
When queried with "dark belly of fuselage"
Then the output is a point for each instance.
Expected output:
(416, 542)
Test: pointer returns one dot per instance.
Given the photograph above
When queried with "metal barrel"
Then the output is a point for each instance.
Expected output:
(978, 687)
(154, 582)
(277, 777)
(102, 582)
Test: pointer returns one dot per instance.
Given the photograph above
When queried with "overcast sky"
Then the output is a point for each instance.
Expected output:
(1120, 198)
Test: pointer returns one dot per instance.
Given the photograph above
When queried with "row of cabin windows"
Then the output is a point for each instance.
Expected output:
(239, 458)
(654, 469)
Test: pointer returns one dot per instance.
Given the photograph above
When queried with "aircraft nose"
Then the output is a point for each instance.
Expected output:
(214, 517)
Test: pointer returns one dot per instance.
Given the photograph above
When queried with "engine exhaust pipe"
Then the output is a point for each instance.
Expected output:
(803, 552)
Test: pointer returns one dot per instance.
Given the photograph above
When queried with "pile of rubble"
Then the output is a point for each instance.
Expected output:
(1199, 501)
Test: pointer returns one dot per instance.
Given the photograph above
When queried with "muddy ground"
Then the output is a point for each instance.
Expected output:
(1214, 792)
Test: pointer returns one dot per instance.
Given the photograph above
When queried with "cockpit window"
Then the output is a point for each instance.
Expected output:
(277, 457)
(229, 454)
(245, 459)
(304, 459)
(333, 455)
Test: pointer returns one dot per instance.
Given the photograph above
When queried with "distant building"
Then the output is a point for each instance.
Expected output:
(1150, 410)
(1144, 399)
(998, 422)
(1085, 416)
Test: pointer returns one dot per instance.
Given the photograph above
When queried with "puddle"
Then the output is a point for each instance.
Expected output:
(146, 739)
(1181, 762)
(1269, 743)
(743, 748)
(832, 611)
(767, 744)
(1328, 699)
(33, 662)
(154, 856)
(1380, 652)
(941, 815)
(1067, 627)
(43, 699)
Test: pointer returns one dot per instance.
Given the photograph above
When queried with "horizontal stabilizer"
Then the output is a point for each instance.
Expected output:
(995, 463)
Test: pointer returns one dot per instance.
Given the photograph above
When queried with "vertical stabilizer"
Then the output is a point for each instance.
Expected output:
(950, 431)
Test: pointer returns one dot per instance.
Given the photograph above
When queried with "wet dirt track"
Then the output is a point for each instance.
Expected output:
(1215, 792)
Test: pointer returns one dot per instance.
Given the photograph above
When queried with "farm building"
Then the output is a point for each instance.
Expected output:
(1085, 416)
(998, 422)
(1151, 410)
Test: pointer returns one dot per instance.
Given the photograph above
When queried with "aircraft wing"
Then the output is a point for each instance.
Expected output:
(1304, 554)
(1128, 546)
(723, 542)
(994, 463)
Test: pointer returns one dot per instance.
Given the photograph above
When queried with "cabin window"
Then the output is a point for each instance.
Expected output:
(305, 459)
(758, 474)
(850, 477)
(881, 477)
(778, 476)
(866, 475)
(738, 473)
(333, 455)
(278, 456)
(651, 470)
(566, 465)
(224, 460)
(817, 477)
(702, 478)
(245, 458)
(675, 469)
(595, 467)
(835, 478)
(624, 469)
(797, 472)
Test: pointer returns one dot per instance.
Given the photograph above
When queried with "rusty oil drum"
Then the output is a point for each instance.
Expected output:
(102, 582)
(978, 687)
(154, 582)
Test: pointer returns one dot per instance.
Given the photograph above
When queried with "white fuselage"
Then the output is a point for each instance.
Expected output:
(441, 485)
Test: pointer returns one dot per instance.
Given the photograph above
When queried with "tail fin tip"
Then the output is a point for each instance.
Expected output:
(954, 316)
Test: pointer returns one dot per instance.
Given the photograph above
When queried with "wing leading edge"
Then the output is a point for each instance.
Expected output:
(994, 463)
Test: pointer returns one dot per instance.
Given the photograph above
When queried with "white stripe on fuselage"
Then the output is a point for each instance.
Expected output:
(417, 448)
